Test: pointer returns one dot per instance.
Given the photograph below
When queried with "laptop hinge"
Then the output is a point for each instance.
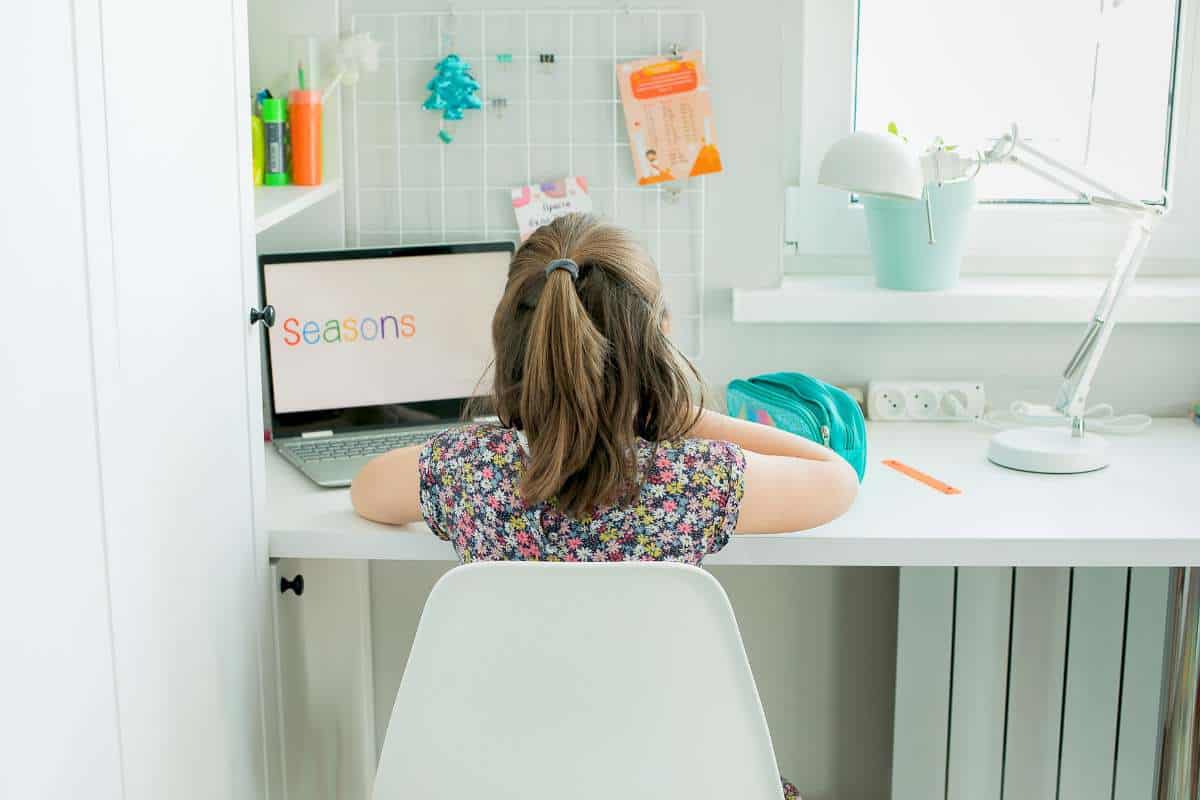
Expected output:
(315, 434)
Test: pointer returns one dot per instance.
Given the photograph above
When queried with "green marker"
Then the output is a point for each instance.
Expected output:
(274, 117)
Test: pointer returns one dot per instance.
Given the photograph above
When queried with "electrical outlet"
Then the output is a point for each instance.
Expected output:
(926, 401)
(922, 403)
(886, 401)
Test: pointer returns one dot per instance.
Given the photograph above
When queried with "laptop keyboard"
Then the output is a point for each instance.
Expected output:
(357, 447)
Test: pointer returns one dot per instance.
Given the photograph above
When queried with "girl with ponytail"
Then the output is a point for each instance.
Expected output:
(601, 452)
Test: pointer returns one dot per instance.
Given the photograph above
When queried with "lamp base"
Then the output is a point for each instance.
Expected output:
(1051, 451)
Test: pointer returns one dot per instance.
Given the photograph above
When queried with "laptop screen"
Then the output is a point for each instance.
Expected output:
(373, 328)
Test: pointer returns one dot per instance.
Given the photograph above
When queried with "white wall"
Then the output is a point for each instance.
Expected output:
(756, 64)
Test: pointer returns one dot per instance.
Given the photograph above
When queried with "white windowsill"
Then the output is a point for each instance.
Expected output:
(996, 299)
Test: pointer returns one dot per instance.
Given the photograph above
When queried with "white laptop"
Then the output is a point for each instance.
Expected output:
(376, 349)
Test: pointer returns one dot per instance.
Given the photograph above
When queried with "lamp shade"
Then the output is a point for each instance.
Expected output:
(876, 164)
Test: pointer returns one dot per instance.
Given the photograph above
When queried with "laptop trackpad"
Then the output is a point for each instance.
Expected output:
(334, 473)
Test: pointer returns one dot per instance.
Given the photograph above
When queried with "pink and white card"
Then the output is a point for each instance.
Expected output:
(539, 203)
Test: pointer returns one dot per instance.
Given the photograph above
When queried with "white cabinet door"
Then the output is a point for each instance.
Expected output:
(58, 711)
(132, 448)
(178, 434)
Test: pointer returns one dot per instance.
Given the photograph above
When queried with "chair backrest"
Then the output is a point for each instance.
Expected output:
(577, 682)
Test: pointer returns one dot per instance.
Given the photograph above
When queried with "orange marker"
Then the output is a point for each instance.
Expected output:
(917, 475)
(304, 123)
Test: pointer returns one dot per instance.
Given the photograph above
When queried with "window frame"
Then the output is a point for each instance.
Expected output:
(830, 223)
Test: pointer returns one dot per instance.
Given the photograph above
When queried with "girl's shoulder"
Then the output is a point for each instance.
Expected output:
(679, 463)
(474, 443)
(698, 450)
(722, 460)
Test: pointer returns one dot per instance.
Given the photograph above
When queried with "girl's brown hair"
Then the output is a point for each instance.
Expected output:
(584, 365)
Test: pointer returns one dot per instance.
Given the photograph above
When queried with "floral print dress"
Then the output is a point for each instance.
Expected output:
(687, 505)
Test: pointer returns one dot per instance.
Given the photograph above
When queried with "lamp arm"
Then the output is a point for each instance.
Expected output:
(1098, 191)
(1048, 176)
(1011, 148)
(1077, 377)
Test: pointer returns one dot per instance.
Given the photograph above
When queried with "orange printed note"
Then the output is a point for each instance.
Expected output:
(668, 115)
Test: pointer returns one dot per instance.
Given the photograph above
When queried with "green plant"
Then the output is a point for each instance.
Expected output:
(938, 142)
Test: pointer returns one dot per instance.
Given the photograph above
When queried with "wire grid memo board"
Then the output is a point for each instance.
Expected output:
(540, 121)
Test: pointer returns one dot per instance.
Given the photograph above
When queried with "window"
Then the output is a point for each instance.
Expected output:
(1088, 81)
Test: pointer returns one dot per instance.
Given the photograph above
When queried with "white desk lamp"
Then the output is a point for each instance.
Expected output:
(876, 164)
(888, 171)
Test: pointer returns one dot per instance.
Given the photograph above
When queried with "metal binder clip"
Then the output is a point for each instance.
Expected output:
(674, 52)
(499, 104)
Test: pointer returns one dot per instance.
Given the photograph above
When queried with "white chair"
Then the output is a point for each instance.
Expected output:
(615, 681)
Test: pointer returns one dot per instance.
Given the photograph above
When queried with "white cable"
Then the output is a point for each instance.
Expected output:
(1100, 417)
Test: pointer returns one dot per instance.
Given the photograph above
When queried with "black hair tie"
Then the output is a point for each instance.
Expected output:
(563, 263)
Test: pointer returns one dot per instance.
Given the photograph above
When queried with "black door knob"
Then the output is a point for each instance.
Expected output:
(296, 584)
(265, 315)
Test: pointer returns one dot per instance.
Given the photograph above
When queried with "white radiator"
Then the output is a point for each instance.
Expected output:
(1028, 683)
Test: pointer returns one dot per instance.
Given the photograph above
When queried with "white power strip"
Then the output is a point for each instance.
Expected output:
(925, 401)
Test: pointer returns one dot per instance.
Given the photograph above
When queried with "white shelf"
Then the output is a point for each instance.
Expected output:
(977, 299)
(274, 204)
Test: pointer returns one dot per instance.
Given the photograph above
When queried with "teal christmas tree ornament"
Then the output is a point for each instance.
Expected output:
(452, 89)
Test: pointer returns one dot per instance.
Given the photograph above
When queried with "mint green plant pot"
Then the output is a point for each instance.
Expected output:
(900, 250)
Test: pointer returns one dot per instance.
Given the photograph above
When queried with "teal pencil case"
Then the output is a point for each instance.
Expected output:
(805, 406)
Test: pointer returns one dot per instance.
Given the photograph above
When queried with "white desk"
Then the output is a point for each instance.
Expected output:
(1144, 510)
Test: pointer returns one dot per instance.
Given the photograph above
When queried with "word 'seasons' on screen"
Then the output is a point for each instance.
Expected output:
(349, 329)
(381, 330)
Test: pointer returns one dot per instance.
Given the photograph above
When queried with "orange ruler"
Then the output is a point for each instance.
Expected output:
(917, 475)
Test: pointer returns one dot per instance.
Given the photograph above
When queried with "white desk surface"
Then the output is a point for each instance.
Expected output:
(1144, 510)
